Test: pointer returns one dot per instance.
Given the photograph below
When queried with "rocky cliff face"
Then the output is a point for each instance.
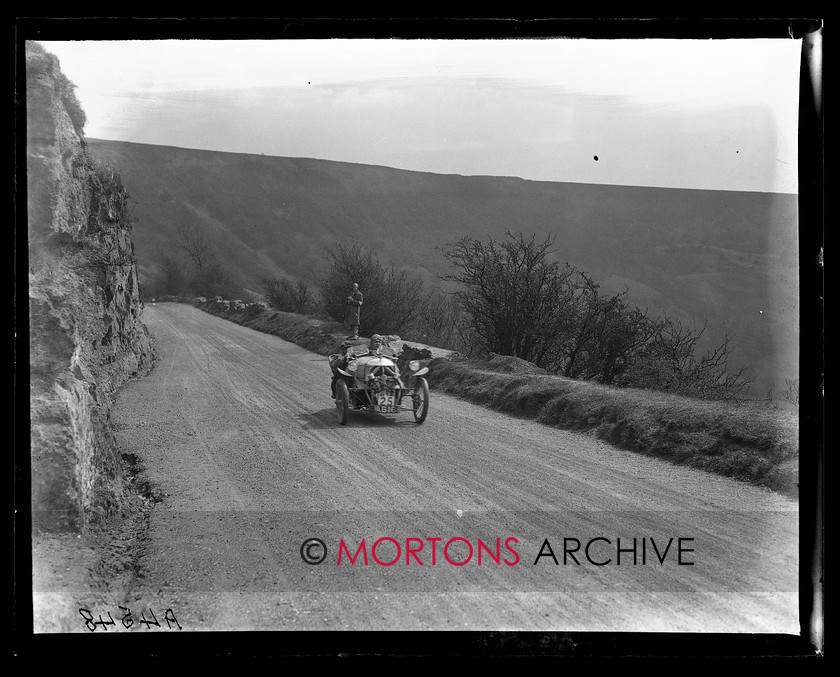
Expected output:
(86, 336)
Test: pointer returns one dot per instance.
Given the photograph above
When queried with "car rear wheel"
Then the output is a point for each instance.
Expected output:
(420, 400)
(342, 401)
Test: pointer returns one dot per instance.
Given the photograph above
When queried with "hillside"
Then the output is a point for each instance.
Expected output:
(726, 258)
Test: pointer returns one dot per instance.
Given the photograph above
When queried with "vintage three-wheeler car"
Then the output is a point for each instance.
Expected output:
(371, 381)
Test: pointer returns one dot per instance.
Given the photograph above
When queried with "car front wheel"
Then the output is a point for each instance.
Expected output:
(342, 401)
(420, 400)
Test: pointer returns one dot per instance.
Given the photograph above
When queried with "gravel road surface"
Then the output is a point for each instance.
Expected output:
(239, 435)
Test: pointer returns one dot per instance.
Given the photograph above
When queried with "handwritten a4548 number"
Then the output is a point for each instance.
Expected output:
(127, 619)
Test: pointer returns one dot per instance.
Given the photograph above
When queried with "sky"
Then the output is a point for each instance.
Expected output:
(706, 114)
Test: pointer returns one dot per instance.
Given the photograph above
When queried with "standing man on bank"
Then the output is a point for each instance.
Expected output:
(354, 305)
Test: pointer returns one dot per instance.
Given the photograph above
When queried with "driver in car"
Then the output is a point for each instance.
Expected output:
(376, 342)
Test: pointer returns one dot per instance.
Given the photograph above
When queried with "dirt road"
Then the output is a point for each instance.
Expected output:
(238, 431)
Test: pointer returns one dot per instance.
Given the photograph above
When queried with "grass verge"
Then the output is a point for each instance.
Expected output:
(749, 441)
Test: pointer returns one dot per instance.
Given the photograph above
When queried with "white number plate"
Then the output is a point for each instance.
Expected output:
(386, 404)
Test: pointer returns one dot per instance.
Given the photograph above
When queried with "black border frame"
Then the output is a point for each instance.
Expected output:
(301, 644)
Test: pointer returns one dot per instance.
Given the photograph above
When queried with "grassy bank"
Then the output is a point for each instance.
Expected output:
(752, 442)
(748, 441)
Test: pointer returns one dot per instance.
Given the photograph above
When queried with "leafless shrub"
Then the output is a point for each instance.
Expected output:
(392, 297)
(196, 245)
(520, 302)
(283, 294)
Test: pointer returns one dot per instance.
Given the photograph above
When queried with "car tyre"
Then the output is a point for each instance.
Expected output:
(420, 400)
(342, 401)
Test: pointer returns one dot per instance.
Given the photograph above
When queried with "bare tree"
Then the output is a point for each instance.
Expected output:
(510, 291)
(195, 244)
(392, 297)
(287, 296)
(672, 361)
(519, 302)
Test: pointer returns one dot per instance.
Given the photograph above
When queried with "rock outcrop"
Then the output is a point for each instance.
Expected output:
(86, 335)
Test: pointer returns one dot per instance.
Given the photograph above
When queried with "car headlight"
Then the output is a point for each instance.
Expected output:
(352, 365)
(414, 365)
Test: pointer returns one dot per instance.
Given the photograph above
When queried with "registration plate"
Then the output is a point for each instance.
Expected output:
(385, 404)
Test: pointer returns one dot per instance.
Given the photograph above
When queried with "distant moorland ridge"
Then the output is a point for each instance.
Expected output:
(724, 258)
